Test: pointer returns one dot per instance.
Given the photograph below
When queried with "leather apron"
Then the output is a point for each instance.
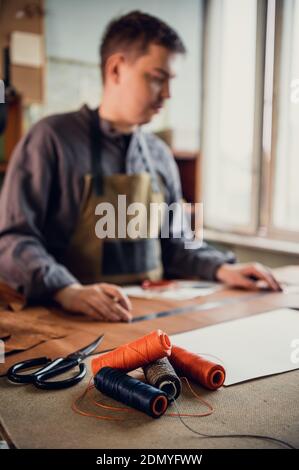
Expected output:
(116, 260)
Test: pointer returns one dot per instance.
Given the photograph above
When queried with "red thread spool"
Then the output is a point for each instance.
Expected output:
(139, 353)
(195, 367)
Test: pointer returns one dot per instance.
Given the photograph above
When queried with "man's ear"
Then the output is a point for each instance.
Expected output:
(113, 66)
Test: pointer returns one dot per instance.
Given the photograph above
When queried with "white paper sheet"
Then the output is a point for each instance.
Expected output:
(26, 49)
(252, 347)
(184, 290)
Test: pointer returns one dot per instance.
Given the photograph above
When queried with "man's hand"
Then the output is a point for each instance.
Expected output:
(249, 276)
(103, 302)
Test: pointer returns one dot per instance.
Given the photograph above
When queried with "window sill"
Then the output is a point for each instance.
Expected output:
(249, 241)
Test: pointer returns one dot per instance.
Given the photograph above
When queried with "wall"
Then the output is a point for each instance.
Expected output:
(72, 76)
(268, 258)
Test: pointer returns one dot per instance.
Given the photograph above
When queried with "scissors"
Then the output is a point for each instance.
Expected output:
(52, 368)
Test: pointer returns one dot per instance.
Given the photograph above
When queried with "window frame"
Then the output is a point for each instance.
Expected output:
(266, 124)
(273, 231)
(256, 164)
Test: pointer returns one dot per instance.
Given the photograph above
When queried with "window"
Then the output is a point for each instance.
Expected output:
(285, 195)
(250, 117)
(230, 80)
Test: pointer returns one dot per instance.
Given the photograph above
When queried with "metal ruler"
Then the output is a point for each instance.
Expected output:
(198, 307)
(193, 308)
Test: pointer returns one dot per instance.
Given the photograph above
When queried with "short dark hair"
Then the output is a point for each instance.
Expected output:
(137, 30)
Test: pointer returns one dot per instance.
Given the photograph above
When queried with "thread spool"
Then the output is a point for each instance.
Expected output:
(161, 374)
(195, 367)
(136, 354)
(130, 391)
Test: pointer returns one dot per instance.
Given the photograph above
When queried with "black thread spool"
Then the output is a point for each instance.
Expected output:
(161, 374)
(130, 391)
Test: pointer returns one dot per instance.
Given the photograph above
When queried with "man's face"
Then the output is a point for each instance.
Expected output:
(144, 83)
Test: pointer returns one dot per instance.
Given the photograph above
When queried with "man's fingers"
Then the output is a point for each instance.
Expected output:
(264, 275)
(261, 273)
(117, 294)
(91, 312)
(101, 305)
(96, 302)
(114, 306)
(278, 286)
(249, 276)
(110, 310)
(245, 283)
(122, 313)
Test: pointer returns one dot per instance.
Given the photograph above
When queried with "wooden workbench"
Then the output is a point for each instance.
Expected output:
(31, 418)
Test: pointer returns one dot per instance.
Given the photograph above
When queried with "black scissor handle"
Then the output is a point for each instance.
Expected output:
(41, 380)
(13, 375)
(51, 368)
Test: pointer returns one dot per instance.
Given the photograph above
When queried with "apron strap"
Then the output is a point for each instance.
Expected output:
(148, 161)
(96, 155)
(97, 167)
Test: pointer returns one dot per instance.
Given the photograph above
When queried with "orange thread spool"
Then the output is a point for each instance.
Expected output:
(139, 353)
(195, 367)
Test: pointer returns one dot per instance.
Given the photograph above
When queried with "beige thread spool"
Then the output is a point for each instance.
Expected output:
(161, 374)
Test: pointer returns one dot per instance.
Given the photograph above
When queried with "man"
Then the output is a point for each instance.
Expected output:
(67, 164)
